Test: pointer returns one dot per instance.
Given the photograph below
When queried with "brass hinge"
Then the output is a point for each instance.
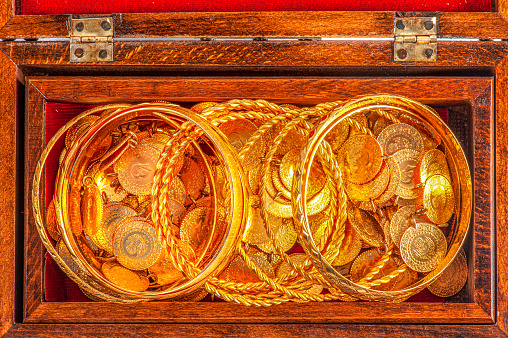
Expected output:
(92, 39)
(415, 39)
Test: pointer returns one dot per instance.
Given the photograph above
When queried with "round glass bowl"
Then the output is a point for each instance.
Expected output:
(393, 109)
(155, 226)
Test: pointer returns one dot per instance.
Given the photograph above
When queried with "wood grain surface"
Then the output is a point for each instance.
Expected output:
(270, 54)
(7, 191)
(258, 24)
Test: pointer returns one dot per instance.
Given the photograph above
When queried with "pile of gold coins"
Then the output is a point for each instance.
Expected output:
(259, 203)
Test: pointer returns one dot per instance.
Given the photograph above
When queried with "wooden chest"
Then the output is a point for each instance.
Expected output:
(288, 57)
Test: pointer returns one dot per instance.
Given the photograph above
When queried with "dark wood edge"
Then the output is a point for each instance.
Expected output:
(309, 90)
(206, 312)
(8, 217)
(34, 252)
(501, 142)
(483, 244)
(216, 55)
(253, 330)
(487, 25)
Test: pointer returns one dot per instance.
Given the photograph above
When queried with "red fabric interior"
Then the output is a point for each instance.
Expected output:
(58, 287)
(29, 7)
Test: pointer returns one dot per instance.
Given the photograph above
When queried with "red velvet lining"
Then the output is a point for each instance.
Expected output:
(57, 286)
(30, 7)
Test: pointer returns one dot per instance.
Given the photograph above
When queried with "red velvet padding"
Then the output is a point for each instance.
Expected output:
(58, 287)
(28, 7)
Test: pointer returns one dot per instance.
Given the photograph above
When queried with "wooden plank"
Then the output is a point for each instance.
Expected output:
(501, 123)
(483, 201)
(8, 88)
(33, 248)
(267, 54)
(254, 330)
(210, 312)
(259, 24)
(296, 90)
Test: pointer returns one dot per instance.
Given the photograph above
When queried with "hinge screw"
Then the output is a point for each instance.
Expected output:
(103, 53)
(400, 24)
(428, 25)
(80, 26)
(429, 52)
(79, 52)
(106, 25)
(402, 53)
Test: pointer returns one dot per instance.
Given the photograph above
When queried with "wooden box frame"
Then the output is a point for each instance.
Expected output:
(22, 309)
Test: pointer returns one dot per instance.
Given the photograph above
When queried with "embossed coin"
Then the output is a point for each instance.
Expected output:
(423, 247)
(369, 190)
(114, 213)
(257, 232)
(292, 140)
(136, 167)
(164, 272)
(136, 244)
(431, 139)
(360, 157)
(452, 279)
(92, 209)
(400, 221)
(400, 136)
(319, 224)
(124, 278)
(438, 199)
(317, 177)
(194, 228)
(366, 226)
(193, 179)
(433, 163)
(338, 135)
(177, 211)
(285, 237)
(51, 224)
(254, 177)
(78, 128)
(177, 190)
(407, 160)
(350, 246)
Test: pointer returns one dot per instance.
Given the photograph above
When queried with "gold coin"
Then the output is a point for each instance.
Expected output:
(78, 128)
(99, 147)
(75, 221)
(350, 246)
(285, 237)
(400, 136)
(400, 222)
(438, 199)
(380, 124)
(407, 160)
(194, 228)
(317, 177)
(366, 226)
(423, 247)
(136, 244)
(92, 209)
(198, 107)
(360, 157)
(113, 194)
(177, 211)
(369, 190)
(277, 183)
(405, 279)
(193, 179)
(177, 190)
(452, 279)
(268, 183)
(164, 272)
(136, 167)
(393, 183)
(51, 223)
(238, 271)
(433, 163)
(257, 232)
(88, 252)
(114, 213)
(338, 135)
(364, 263)
(361, 119)
(431, 139)
(319, 224)
(292, 140)
(124, 278)
(238, 133)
